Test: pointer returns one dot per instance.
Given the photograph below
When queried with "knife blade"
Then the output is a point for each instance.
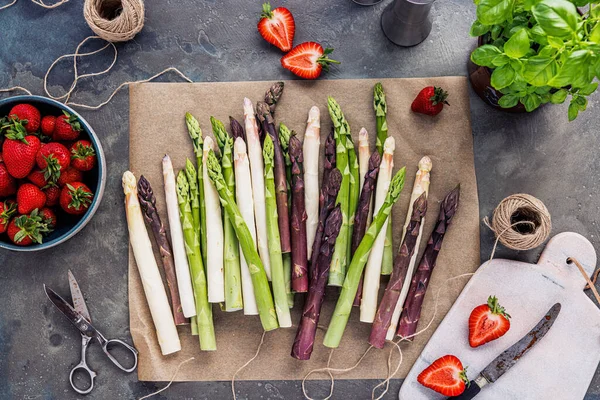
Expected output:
(509, 357)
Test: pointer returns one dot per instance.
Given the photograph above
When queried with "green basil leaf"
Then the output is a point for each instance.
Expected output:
(508, 101)
(514, 30)
(503, 76)
(500, 60)
(595, 12)
(581, 102)
(559, 97)
(555, 42)
(581, 3)
(588, 89)
(496, 31)
(484, 55)
(538, 35)
(542, 89)
(528, 4)
(518, 45)
(575, 71)
(539, 70)
(478, 29)
(492, 12)
(595, 33)
(545, 97)
(557, 17)
(573, 111)
(547, 51)
(531, 102)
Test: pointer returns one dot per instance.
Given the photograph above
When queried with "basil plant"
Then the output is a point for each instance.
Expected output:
(540, 51)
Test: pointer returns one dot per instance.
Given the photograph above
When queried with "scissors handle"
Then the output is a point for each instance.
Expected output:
(107, 345)
(83, 368)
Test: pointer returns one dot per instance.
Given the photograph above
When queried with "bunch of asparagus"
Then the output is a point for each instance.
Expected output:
(251, 211)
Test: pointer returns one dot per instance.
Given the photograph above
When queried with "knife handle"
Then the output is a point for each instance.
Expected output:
(470, 392)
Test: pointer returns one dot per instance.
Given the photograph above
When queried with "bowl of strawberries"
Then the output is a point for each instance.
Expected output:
(52, 173)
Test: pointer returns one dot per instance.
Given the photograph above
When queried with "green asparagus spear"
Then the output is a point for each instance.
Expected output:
(339, 261)
(344, 304)
(284, 139)
(196, 135)
(262, 291)
(353, 192)
(204, 319)
(380, 106)
(278, 279)
(231, 256)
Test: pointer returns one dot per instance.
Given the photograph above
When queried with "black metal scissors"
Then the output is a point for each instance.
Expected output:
(80, 317)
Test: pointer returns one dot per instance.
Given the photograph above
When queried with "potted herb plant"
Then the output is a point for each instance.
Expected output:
(533, 52)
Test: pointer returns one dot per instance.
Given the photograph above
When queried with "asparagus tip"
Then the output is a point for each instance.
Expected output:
(129, 184)
(389, 145)
(425, 164)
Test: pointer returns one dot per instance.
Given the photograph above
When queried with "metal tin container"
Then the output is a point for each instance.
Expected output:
(407, 22)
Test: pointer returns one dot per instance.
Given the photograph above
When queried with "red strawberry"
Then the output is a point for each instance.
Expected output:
(38, 178)
(49, 217)
(52, 159)
(47, 125)
(277, 27)
(69, 175)
(75, 198)
(52, 195)
(430, 101)
(307, 60)
(446, 376)
(28, 115)
(83, 155)
(30, 197)
(67, 127)
(8, 186)
(487, 322)
(25, 230)
(7, 209)
(19, 150)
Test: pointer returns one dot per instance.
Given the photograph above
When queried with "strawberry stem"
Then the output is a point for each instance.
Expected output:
(81, 152)
(32, 226)
(496, 308)
(79, 197)
(439, 96)
(266, 11)
(325, 61)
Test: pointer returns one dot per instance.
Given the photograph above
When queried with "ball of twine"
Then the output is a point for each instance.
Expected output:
(521, 222)
(114, 20)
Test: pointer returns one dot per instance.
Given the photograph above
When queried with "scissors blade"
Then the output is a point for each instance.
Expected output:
(75, 317)
(77, 296)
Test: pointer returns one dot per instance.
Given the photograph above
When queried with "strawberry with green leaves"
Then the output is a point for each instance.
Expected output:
(430, 101)
(307, 60)
(53, 158)
(49, 217)
(19, 150)
(25, 230)
(30, 197)
(83, 156)
(277, 27)
(8, 208)
(27, 115)
(8, 185)
(66, 127)
(446, 376)
(75, 198)
(47, 125)
(487, 322)
(38, 178)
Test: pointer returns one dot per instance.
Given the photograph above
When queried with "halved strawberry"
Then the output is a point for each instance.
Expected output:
(277, 27)
(307, 60)
(487, 322)
(446, 376)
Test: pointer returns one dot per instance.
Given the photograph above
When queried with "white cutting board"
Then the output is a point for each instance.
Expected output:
(561, 365)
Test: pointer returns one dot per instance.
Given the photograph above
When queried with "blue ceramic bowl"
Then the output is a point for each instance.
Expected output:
(68, 225)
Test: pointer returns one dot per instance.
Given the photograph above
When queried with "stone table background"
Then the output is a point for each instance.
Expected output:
(211, 40)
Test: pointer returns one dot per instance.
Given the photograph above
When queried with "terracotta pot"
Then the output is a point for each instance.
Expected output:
(480, 78)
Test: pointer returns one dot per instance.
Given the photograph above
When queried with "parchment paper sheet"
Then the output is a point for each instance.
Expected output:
(157, 127)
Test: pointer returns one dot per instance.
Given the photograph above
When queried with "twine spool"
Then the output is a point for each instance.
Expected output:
(521, 222)
(114, 20)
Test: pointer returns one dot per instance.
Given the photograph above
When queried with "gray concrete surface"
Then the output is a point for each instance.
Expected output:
(210, 40)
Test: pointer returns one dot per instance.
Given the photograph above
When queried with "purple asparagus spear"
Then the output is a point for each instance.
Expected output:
(298, 219)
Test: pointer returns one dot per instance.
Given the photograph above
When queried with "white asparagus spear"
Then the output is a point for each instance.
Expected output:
(368, 305)
(245, 201)
(420, 186)
(214, 232)
(154, 289)
(182, 269)
(364, 153)
(310, 149)
(257, 172)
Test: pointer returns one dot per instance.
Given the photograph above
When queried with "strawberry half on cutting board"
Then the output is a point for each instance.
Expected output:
(446, 376)
(487, 322)
(277, 27)
(307, 60)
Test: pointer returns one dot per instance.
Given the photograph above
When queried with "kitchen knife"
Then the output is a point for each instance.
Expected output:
(509, 357)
